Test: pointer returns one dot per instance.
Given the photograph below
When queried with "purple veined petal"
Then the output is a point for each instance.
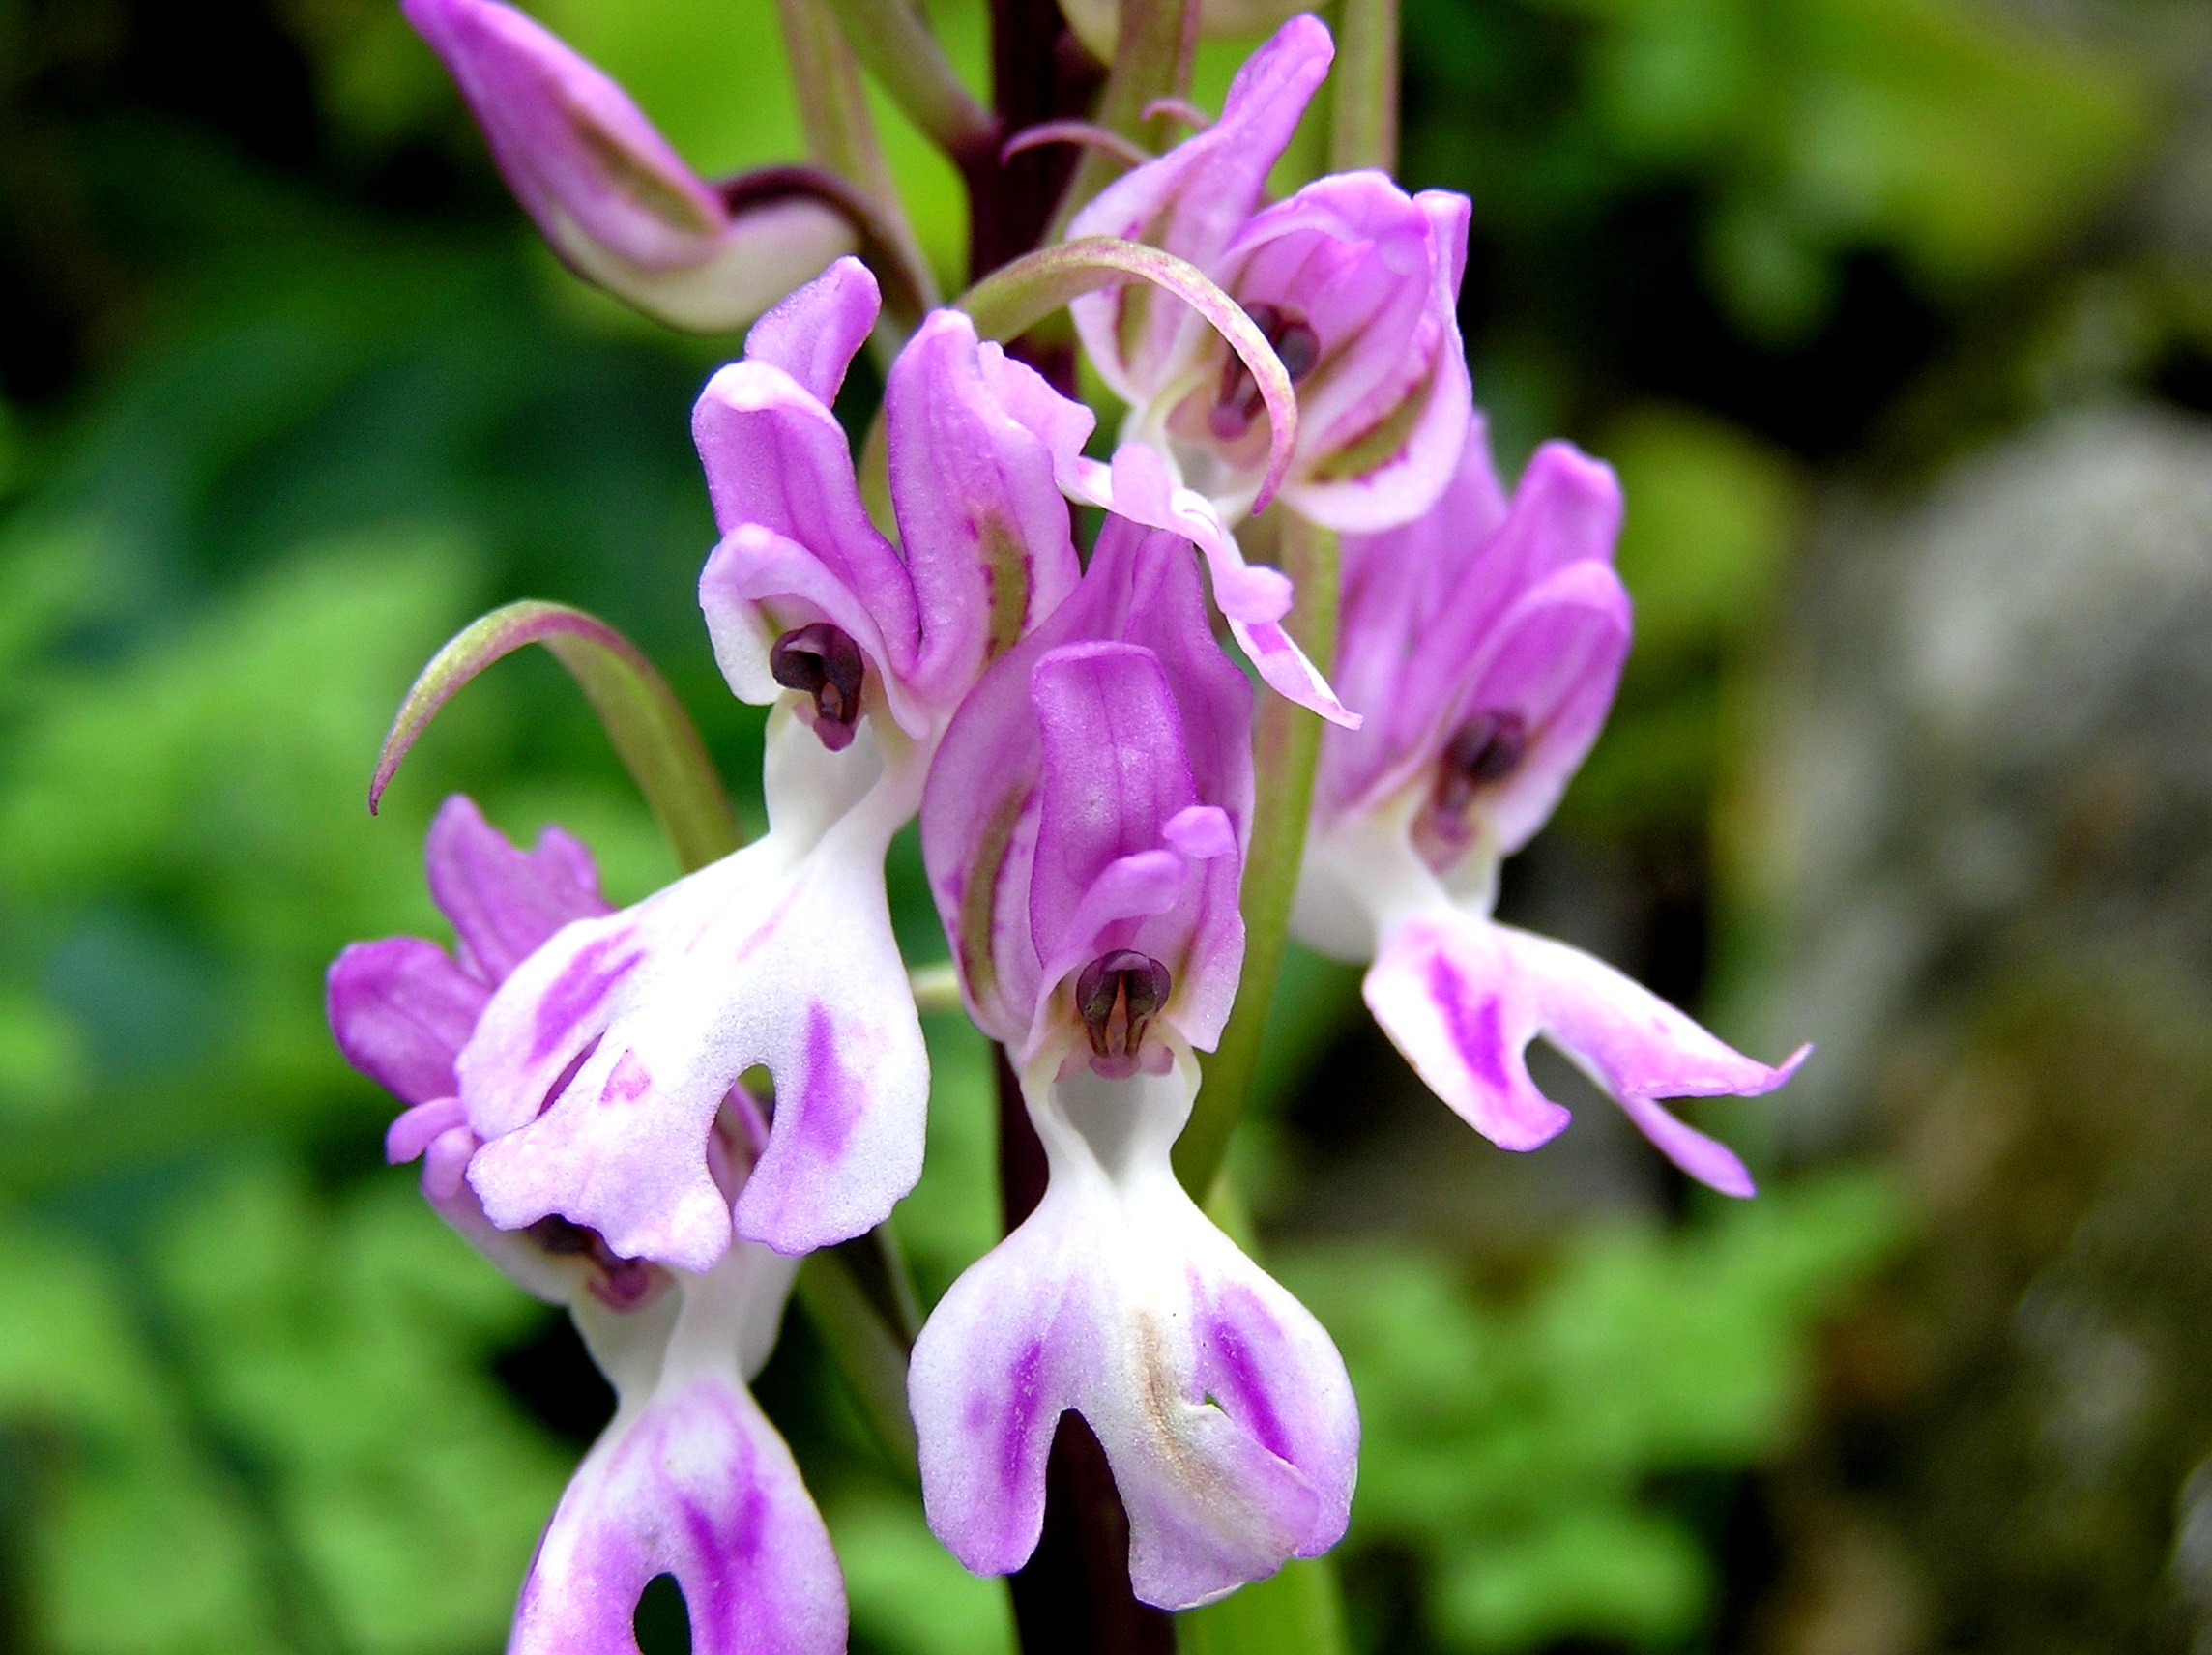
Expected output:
(614, 201)
(814, 334)
(1639, 1048)
(503, 902)
(400, 1010)
(756, 960)
(981, 812)
(1222, 1407)
(780, 475)
(1190, 202)
(1396, 584)
(984, 526)
(696, 1484)
(1137, 486)
(1430, 615)
(1380, 451)
(1450, 998)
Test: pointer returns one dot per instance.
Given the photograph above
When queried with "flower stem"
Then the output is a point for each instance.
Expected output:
(1286, 743)
(1153, 56)
(1364, 106)
(890, 39)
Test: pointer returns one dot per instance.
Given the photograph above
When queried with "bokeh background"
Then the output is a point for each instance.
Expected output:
(1896, 317)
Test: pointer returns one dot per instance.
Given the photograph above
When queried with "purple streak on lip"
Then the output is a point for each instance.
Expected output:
(1226, 1342)
(1479, 1037)
(1021, 1414)
(829, 1107)
(630, 1080)
(572, 996)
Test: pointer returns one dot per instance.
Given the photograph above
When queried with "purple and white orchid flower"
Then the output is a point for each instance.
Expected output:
(1084, 832)
(598, 1070)
(689, 1478)
(1355, 282)
(1489, 636)
(612, 198)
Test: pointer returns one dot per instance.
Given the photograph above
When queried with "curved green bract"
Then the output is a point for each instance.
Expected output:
(651, 732)
(1016, 297)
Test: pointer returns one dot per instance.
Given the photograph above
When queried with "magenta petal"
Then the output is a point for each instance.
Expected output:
(1192, 200)
(400, 1010)
(814, 334)
(983, 523)
(1446, 993)
(799, 545)
(504, 903)
(1640, 1049)
(1141, 684)
(698, 1485)
(1476, 609)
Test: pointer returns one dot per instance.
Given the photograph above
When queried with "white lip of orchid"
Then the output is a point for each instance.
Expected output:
(1362, 878)
(810, 790)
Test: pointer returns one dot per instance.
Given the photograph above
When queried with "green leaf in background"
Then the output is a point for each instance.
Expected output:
(1965, 139)
(1500, 1444)
(908, 1594)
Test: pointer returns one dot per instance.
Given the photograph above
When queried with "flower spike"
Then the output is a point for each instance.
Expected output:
(613, 200)
(1489, 635)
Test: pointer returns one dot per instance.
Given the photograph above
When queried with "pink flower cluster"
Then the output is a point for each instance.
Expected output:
(1078, 748)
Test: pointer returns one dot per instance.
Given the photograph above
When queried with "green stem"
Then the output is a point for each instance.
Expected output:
(867, 1351)
(1286, 743)
(1364, 106)
(840, 134)
(895, 46)
(1153, 54)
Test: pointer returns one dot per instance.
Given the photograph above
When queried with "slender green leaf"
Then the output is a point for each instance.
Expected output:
(643, 719)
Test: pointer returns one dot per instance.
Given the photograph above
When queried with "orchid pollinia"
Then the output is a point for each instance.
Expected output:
(1111, 823)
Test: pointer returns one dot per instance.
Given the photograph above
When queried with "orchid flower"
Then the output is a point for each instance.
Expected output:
(598, 1068)
(1490, 636)
(612, 198)
(1083, 831)
(1355, 283)
(689, 1478)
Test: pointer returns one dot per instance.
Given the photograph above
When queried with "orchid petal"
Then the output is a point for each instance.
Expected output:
(984, 526)
(1640, 1049)
(666, 1004)
(697, 1485)
(504, 902)
(613, 199)
(1192, 200)
(1443, 991)
(400, 1009)
(1221, 1405)
(815, 332)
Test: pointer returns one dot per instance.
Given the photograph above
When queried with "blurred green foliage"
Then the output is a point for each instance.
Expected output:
(1513, 1443)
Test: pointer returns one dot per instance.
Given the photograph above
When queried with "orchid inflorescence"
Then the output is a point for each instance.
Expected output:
(1115, 838)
